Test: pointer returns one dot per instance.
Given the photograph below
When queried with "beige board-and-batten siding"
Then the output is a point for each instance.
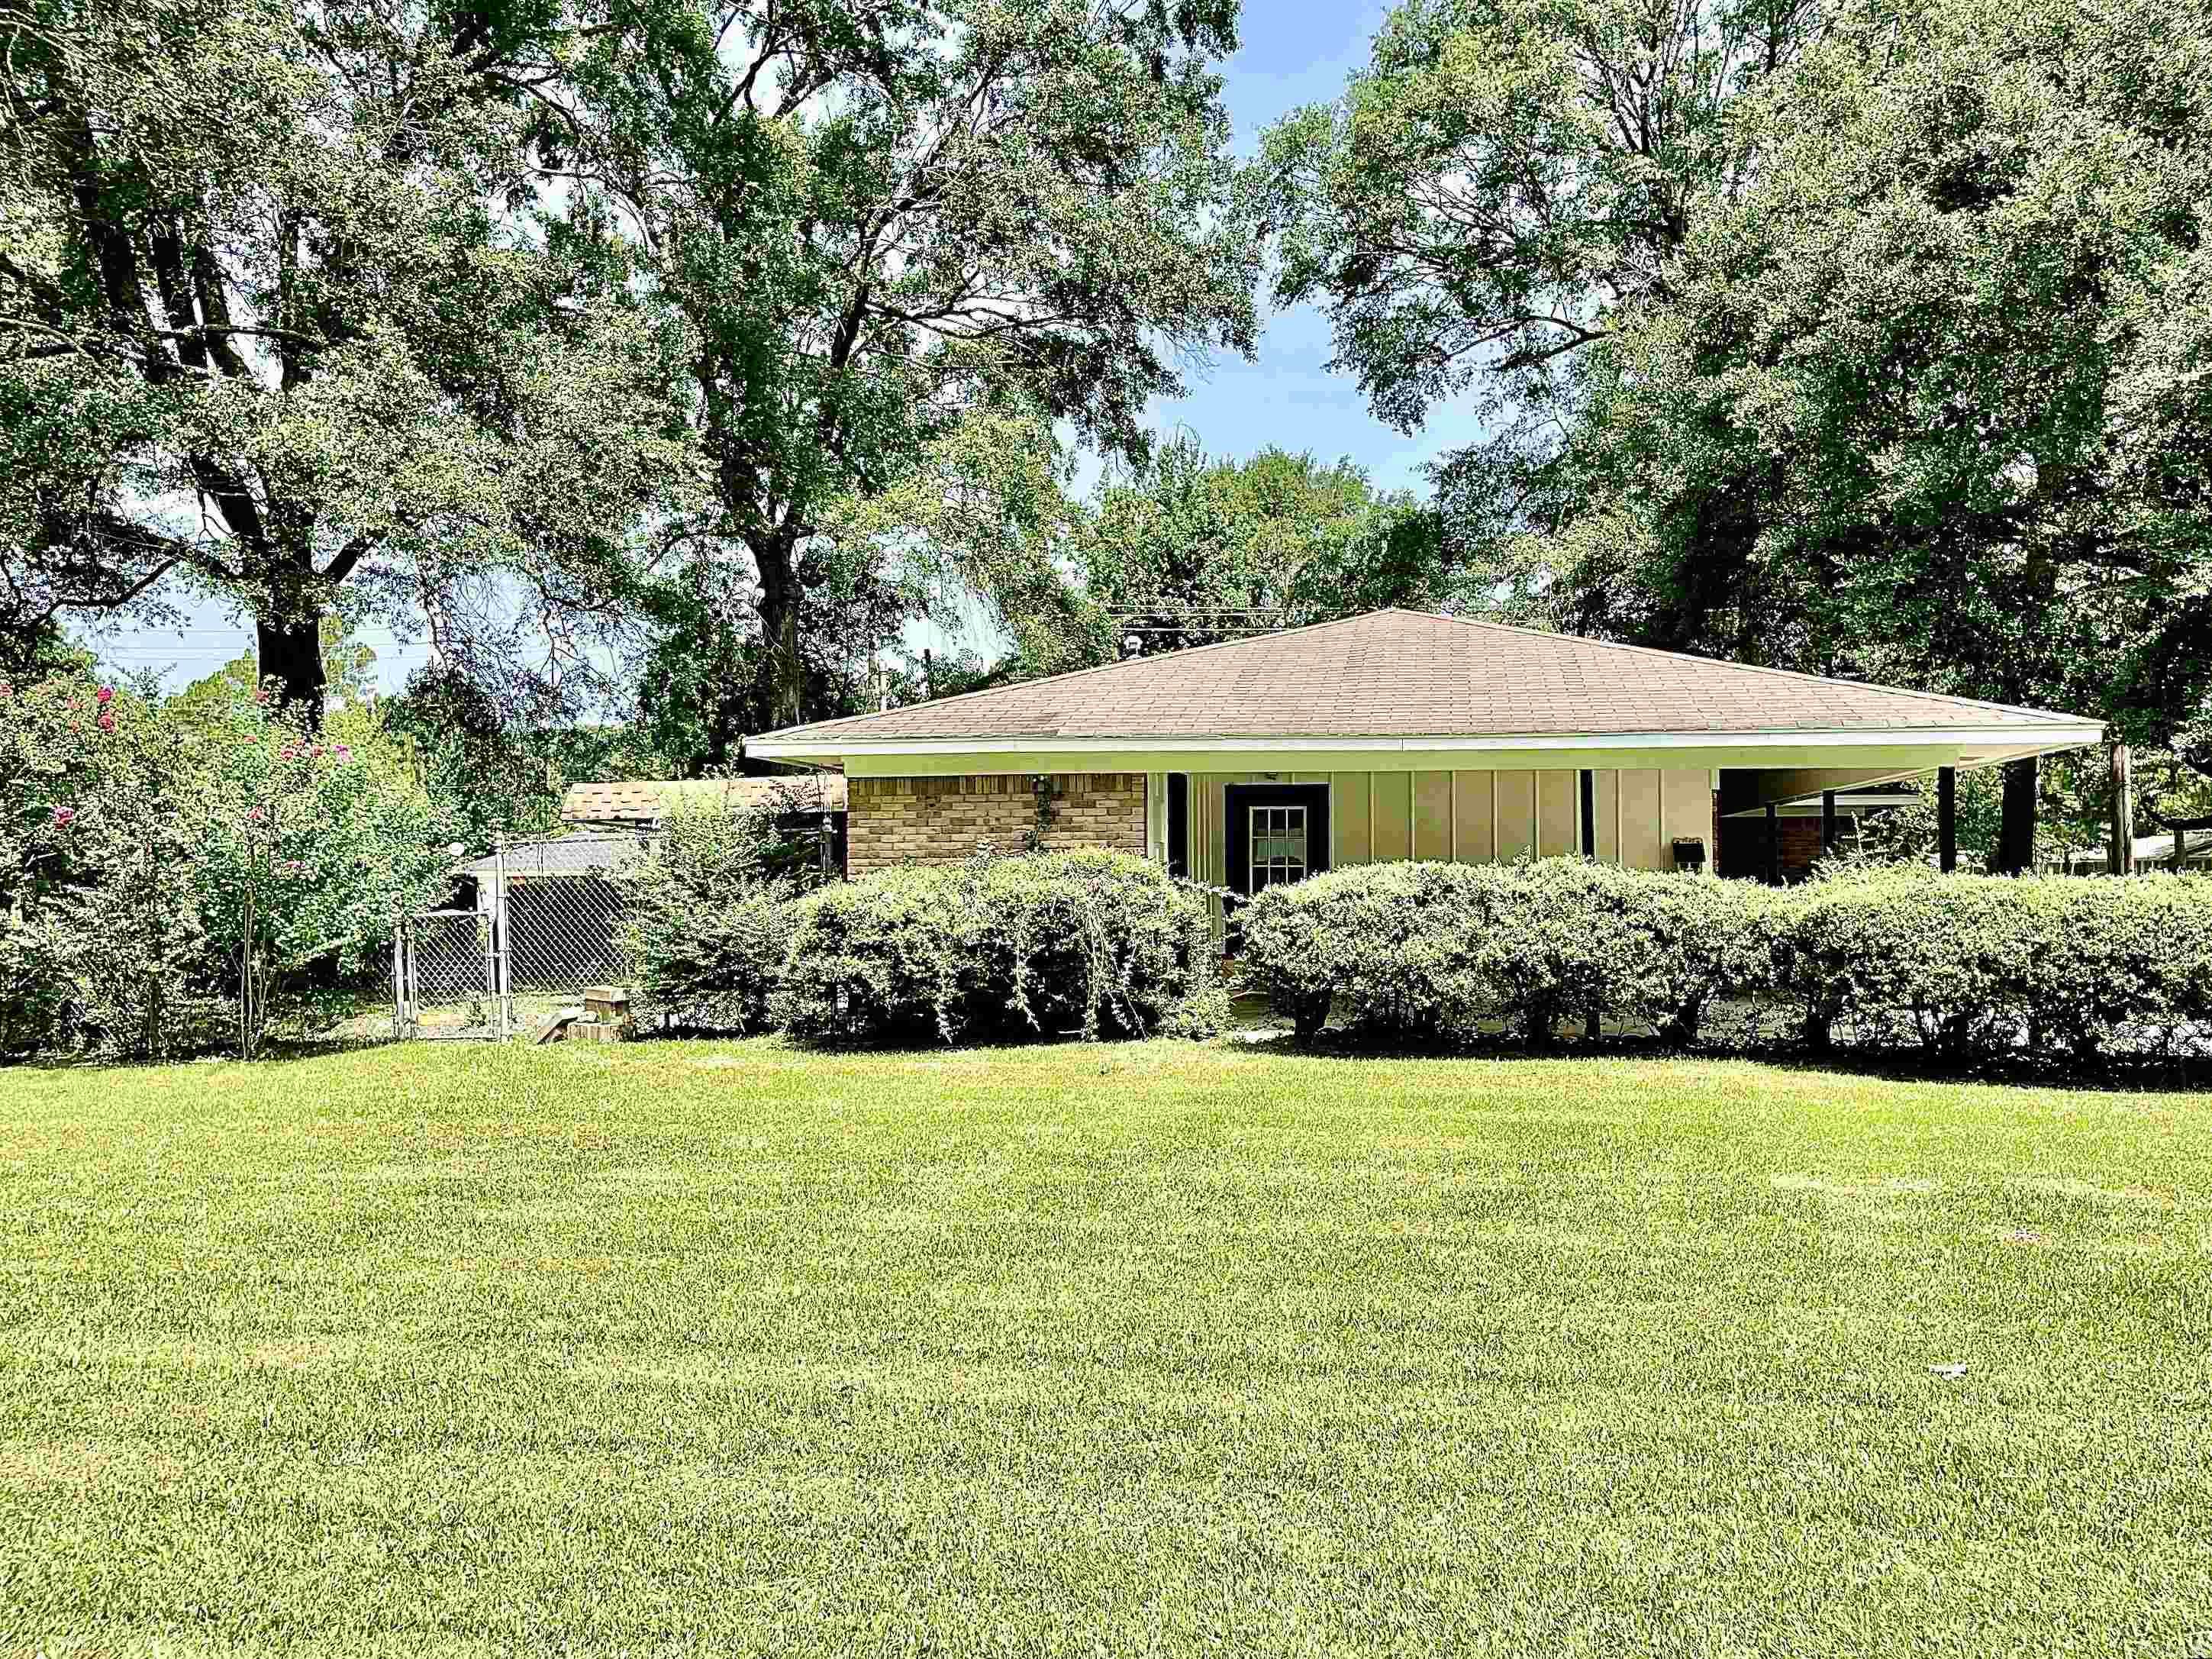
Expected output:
(1477, 817)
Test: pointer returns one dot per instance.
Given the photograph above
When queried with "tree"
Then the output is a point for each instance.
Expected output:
(877, 220)
(492, 773)
(1499, 188)
(1931, 400)
(277, 316)
(1185, 550)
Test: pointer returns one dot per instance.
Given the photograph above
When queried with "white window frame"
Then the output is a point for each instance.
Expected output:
(1253, 838)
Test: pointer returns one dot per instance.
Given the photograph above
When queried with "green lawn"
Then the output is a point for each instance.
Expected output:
(730, 1348)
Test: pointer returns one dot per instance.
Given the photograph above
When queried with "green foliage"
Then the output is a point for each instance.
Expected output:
(1866, 340)
(1179, 546)
(876, 228)
(1925, 401)
(1039, 943)
(708, 919)
(497, 775)
(1429, 951)
(279, 319)
(157, 859)
(311, 844)
(102, 947)
(1502, 178)
(1970, 966)
(1965, 968)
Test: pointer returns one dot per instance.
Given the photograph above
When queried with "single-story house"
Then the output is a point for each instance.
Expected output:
(1391, 735)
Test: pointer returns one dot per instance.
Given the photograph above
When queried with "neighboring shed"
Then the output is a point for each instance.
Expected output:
(2151, 852)
(804, 804)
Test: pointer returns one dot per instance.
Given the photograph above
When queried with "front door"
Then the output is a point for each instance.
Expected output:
(1278, 833)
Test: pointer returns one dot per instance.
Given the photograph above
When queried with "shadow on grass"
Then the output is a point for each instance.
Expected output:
(2120, 1074)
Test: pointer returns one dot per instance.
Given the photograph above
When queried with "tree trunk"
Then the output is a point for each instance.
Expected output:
(2016, 829)
(291, 653)
(2121, 859)
(783, 671)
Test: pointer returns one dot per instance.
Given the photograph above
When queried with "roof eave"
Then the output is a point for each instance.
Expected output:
(2024, 736)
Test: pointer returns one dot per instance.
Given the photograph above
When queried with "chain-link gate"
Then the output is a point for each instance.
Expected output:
(536, 922)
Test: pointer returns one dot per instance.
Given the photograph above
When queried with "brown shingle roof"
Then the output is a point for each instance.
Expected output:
(1405, 673)
(648, 802)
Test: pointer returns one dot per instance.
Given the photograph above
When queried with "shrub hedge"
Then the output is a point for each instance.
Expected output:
(1960, 966)
(1419, 951)
(1099, 942)
(707, 920)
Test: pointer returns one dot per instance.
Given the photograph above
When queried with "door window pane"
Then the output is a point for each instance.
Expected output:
(1279, 845)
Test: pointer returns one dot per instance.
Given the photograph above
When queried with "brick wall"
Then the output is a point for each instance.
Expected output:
(890, 821)
(1743, 848)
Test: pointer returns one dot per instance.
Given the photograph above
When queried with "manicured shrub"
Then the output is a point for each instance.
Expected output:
(1962, 967)
(2130, 963)
(708, 919)
(1972, 966)
(1098, 942)
(1426, 951)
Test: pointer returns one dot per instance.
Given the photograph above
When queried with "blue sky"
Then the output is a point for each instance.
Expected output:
(1292, 54)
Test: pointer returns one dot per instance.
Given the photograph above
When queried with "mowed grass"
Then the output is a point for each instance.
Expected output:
(1153, 1349)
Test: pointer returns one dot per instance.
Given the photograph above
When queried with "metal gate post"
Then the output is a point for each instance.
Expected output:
(398, 981)
(495, 1010)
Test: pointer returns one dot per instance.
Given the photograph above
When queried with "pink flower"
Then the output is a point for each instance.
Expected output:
(7, 687)
(62, 816)
(291, 751)
(317, 751)
(343, 752)
(106, 720)
(292, 866)
(105, 694)
(254, 817)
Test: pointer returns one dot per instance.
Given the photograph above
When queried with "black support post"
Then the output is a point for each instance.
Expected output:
(1589, 814)
(1827, 823)
(1773, 845)
(1946, 818)
(2016, 829)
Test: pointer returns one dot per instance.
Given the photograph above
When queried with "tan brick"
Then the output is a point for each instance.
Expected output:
(892, 821)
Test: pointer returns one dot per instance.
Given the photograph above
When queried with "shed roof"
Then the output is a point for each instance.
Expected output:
(1409, 674)
(650, 802)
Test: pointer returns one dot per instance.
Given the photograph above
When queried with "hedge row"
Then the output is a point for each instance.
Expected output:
(1963, 966)
(1096, 942)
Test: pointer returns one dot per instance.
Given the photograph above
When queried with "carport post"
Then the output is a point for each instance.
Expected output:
(1946, 818)
(2016, 827)
(1827, 822)
(1773, 845)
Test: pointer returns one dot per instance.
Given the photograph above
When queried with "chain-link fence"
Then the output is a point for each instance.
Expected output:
(533, 924)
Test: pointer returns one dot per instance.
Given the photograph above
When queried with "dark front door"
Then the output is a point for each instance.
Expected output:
(1278, 833)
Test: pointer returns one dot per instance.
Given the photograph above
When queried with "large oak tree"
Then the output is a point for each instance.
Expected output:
(880, 219)
(280, 322)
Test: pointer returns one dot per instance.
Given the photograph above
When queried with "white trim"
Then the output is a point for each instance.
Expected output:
(2019, 738)
(1155, 817)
